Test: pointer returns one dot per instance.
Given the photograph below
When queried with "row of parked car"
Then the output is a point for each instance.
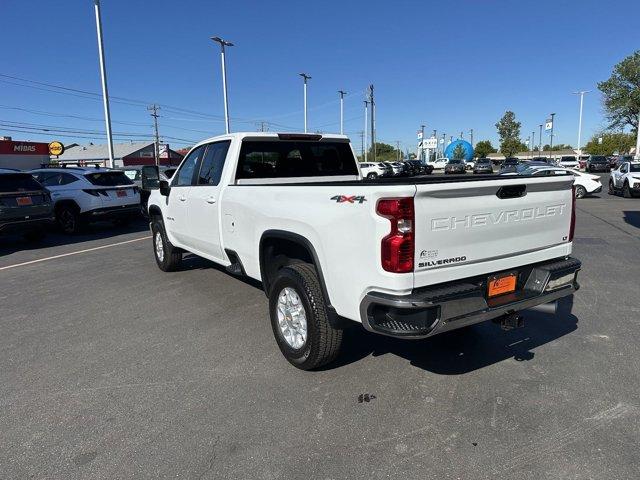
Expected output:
(71, 197)
(408, 168)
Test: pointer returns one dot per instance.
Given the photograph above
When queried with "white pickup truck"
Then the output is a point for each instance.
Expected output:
(404, 257)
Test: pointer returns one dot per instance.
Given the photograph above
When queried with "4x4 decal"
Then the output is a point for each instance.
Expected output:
(349, 198)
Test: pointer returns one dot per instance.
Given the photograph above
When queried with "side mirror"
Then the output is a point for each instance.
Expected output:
(164, 188)
(150, 176)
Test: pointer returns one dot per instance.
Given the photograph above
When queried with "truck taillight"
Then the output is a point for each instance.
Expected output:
(572, 228)
(397, 248)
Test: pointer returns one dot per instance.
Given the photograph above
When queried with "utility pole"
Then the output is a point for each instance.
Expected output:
(540, 142)
(362, 134)
(154, 113)
(373, 123)
(305, 77)
(435, 150)
(398, 147)
(105, 91)
(422, 155)
(471, 133)
(444, 137)
(223, 44)
(551, 141)
(342, 94)
(366, 125)
(581, 93)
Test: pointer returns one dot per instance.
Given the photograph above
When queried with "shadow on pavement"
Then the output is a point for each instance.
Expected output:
(54, 238)
(465, 350)
(632, 217)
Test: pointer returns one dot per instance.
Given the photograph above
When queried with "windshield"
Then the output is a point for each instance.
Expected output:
(483, 160)
(599, 159)
(455, 161)
(18, 182)
(108, 179)
(568, 159)
(634, 167)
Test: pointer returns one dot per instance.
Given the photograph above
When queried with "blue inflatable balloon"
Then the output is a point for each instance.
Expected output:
(468, 149)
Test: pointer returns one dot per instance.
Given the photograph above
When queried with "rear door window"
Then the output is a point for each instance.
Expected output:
(213, 162)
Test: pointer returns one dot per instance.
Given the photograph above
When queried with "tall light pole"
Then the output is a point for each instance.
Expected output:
(105, 91)
(581, 93)
(435, 150)
(366, 125)
(305, 77)
(342, 94)
(551, 141)
(223, 44)
(533, 142)
(471, 133)
(540, 142)
(422, 155)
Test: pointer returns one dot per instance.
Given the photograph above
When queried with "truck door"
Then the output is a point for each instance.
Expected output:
(178, 202)
(204, 220)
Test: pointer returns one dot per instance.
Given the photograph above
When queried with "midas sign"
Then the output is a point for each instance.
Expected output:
(56, 148)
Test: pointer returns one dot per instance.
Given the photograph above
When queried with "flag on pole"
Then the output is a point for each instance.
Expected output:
(548, 124)
(419, 134)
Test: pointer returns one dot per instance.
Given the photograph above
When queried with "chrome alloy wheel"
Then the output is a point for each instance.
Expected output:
(292, 318)
(159, 246)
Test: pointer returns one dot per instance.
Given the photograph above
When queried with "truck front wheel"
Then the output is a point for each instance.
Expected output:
(167, 258)
(300, 320)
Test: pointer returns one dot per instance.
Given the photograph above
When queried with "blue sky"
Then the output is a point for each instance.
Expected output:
(451, 65)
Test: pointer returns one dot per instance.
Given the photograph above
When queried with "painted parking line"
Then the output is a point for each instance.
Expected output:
(74, 253)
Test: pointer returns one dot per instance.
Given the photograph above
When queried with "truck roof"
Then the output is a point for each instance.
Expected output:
(275, 135)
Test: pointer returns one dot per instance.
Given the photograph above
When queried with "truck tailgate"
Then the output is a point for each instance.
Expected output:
(489, 225)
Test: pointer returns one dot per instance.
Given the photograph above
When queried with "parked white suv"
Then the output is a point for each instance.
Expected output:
(625, 179)
(406, 257)
(83, 194)
(374, 170)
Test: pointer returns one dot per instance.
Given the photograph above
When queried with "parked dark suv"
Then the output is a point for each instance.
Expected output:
(25, 205)
(597, 163)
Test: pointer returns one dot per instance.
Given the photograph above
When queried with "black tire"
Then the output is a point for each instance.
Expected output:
(323, 341)
(170, 258)
(372, 176)
(68, 218)
(626, 191)
(581, 192)
(612, 189)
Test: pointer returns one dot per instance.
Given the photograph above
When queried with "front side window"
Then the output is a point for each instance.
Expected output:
(278, 159)
(184, 176)
(213, 162)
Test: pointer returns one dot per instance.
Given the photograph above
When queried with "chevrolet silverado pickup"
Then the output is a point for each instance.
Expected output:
(408, 258)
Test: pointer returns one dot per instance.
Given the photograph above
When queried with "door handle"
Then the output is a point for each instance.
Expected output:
(211, 200)
(182, 198)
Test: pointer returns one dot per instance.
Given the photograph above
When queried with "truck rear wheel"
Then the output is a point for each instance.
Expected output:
(300, 320)
(167, 258)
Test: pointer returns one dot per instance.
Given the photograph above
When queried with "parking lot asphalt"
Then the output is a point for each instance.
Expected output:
(114, 369)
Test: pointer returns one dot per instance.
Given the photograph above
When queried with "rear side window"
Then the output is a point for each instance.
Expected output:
(18, 182)
(213, 162)
(108, 179)
(278, 159)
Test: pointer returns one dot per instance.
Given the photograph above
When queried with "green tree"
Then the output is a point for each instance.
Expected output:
(621, 93)
(555, 148)
(509, 132)
(484, 148)
(384, 153)
(510, 146)
(458, 152)
(611, 142)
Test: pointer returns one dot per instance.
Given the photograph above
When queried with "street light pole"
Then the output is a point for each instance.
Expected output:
(223, 44)
(540, 142)
(105, 91)
(305, 77)
(581, 93)
(471, 133)
(342, 94)
(551, 141)
(422, 155)
(533, 142)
